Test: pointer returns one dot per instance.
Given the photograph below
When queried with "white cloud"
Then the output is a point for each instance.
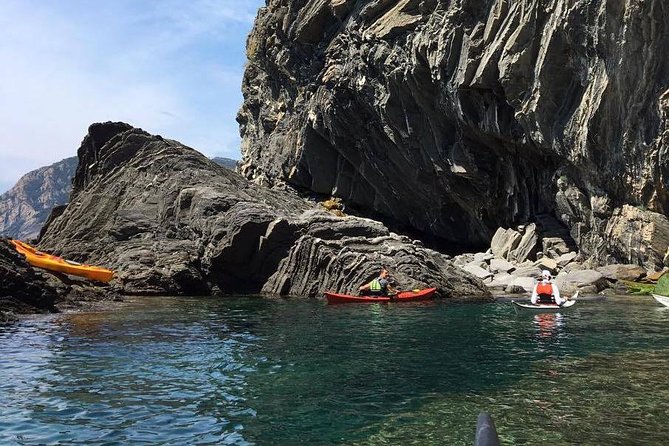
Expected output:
(173, 68)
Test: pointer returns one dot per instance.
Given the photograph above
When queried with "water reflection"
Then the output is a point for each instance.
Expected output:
(548, 324)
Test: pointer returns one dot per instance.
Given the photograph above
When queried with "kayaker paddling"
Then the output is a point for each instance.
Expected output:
(380, 286)
(546, 292)
(401, 296)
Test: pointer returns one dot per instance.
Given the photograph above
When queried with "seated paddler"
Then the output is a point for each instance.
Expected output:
(380, 286)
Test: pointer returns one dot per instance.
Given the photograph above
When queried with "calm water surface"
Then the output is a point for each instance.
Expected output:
(251, 371)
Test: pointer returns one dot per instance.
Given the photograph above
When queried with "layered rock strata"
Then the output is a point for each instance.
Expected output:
(456, 118)
(170, 221)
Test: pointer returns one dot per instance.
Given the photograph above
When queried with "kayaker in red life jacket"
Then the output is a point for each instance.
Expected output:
(379, 286)
(545, 291)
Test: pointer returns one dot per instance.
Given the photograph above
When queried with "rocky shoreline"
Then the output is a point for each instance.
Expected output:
(169, 221)
(517, 256)
(28, 290)
(458, 122)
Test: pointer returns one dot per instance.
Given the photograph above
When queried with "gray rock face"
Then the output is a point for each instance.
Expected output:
(26, 206)
(22, 289)
(622, 272)
(587, 281)
(340, 254)
(170, 221)
(457, 118)
(626, 234)
(26, 290)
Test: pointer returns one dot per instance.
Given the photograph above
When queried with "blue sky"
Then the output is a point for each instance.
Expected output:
(171, 67)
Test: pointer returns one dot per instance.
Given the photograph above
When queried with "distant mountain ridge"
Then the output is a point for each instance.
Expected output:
(225, 162)
(25, 207)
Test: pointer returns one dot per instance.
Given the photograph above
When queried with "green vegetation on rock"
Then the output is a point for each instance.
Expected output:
(637, 288)
(662, 286)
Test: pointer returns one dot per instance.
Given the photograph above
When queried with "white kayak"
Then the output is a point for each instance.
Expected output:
(664, 300)
(548, 307)
(545, 307)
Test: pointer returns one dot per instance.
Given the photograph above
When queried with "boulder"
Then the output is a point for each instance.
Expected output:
(574, 266)
(527, 269)
(528, 245)
(463, 259)
(501, 281)
(554, 247)
(587, 281)
(622, 272)
(565, 259)
(501, 265)
(515, 289)
(483, 257)
(654, 276)
(477, 271)
(526, 283)
(546, 263)
(504, 242)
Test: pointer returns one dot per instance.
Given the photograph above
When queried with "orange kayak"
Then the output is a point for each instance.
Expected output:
(53, 263)
(400, 297)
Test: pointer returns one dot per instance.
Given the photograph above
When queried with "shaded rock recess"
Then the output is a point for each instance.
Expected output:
(170, 221)
(459, 117)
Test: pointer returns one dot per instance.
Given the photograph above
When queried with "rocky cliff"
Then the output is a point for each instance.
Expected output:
(25, 207)
(170, 221)
(458, 117)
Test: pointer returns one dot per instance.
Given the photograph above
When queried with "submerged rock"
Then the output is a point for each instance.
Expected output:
(170, 221)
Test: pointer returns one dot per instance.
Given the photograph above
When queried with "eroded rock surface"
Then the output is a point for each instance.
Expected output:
(22, 289)
(456, 118)
(169, 220)
(26, 290)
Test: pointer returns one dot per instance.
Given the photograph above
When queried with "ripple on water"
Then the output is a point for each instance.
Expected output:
(250, 371)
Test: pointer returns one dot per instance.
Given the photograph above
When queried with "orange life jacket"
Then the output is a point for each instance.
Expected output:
(545, 292)
(545, 288)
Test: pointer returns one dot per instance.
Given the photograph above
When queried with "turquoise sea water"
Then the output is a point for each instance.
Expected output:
(287, 372)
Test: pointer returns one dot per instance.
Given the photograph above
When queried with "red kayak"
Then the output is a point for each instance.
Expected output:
(403, 296)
